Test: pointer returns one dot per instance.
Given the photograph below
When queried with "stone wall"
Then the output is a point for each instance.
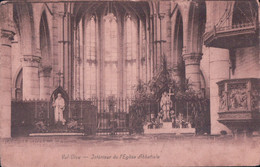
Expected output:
(246, 63)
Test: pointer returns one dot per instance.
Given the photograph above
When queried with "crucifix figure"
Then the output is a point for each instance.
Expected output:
(172, 112)
(60, 74)
(170, 92)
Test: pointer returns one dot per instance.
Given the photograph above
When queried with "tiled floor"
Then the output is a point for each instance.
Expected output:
(134, 150)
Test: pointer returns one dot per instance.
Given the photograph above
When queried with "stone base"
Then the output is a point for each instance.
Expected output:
(55, 134)
(109, 133)
(167, 128)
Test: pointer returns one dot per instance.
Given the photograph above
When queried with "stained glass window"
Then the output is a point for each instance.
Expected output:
(131, 55)
(111, 55)
(90, 59)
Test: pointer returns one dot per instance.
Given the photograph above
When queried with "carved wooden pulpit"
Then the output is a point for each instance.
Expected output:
(239, 104)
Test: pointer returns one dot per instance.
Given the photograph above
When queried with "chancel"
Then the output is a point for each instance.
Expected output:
(122, 67)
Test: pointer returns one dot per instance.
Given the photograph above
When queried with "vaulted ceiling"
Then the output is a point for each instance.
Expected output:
(138, 9)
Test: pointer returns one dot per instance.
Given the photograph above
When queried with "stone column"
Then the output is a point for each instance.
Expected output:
(5, 83)
(192, 69)
(219, 70)
(152, 46)
(57, 41)
(258, 47)
(31, 82)
(45, 74)
(6, 35)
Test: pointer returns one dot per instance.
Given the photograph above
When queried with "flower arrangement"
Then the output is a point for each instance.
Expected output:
(150, 93)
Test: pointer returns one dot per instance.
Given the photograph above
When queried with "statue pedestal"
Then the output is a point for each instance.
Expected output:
(167, 129)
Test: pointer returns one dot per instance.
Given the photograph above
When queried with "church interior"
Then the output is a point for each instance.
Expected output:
(95, 54)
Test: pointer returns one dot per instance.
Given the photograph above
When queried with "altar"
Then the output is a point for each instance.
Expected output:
(167, 129)
(168, 119)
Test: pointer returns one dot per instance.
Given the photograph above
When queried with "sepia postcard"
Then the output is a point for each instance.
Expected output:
(129, 83)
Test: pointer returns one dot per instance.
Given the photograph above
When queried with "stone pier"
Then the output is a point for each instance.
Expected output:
(31, 82)
(6, 36)
(219, 70)
(5, 83)
(192, 69)
(45, 74)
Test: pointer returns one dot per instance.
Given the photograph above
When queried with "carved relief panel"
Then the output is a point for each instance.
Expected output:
(222, 98)
(239, 95)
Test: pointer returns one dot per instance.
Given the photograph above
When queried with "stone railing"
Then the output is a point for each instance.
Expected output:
(239, 101)
(237, 27)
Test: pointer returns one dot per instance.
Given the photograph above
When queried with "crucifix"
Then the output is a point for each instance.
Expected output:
(170, 92)
(60, 74)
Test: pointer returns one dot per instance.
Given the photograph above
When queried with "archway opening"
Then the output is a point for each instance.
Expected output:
(23, 20)
(179, 48)
(45, 40)
(19, 86)
(201, 23)
(201, 30)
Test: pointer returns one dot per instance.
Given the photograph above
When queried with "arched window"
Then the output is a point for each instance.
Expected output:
(111, 55)
(143, 56)
(78, 59)
(131, 55)
(90, 59)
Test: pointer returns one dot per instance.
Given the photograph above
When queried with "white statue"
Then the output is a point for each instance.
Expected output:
(166, 105)
(59, 105)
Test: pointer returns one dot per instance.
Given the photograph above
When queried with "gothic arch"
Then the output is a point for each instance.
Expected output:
(138, 10)
(66, 98)
(178, 36)
(48, 16)
(45, 40)
(63, 93)
(196, 22)
(203, 82)
(16, 75)
(151, 7)
(23, 16)
(178, 43)
(18, 85)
